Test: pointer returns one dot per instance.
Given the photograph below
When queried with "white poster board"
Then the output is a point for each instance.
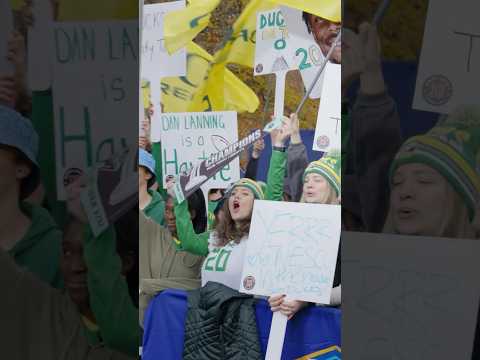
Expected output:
(189, 138)
(449, 66)
(328, 132)
(6, 29)
(99, 58)
(310, 54)
(408, 297)
(292, 249)
(156, 62)
(275, 46)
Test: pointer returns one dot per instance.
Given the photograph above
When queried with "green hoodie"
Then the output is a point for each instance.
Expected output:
(156, 209)
(40, 249)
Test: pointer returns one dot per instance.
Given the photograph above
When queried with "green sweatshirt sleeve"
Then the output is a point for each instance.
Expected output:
(188, 240)
(276, 176)
(115, 313)
(157, 155)
(156, 209)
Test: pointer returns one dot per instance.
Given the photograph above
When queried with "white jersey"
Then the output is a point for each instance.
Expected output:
(224, 264)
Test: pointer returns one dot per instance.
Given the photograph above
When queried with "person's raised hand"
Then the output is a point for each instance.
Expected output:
(258, 147)
(275, 302)
(74, 204)
(8, 93)
(281, 134)
(290, 307)
(353, 61)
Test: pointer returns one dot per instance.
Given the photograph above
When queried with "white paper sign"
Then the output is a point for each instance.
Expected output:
(328, 133)
(156, 63)
(189, 138)
(292, 249)
(6, 28)
(99, 59)
(311, 56)
(408, 297)
(278, 48)
(449, 69)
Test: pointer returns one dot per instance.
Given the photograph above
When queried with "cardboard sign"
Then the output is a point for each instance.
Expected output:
(292, 249)
(189, 138)
(311, 56)
(328, 132)
(406, 297)
(449, 69)
(6, 29)
(99, 58)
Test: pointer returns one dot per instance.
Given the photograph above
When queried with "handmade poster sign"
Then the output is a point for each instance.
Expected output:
(292, 249)
(449, 70)
(98, 57)
(156, 63)
(308, 50)
(190, 138)
(6, 28)
(277, 51)
(328, 132)
(407, 297)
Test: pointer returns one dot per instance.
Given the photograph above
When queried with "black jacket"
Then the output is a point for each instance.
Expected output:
(220, 325)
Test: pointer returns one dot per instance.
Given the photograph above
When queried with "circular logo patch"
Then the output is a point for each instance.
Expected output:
(71, 175)
(323, 141)
(259, 68)
(249, 282)
(437, 90)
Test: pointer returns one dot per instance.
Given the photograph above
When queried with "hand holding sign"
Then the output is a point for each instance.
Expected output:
(292, 250)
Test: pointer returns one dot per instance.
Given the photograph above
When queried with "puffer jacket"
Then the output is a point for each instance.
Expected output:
(220, 325)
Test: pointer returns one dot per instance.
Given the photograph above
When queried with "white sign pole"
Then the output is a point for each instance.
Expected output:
(276, 338)
(280, 78)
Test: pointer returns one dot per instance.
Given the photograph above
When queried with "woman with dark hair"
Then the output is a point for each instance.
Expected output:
(224, 247)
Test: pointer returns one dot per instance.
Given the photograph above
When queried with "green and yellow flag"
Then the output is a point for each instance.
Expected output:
(327, 9)
(206, 87)
(181, 26)
(240, 48)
